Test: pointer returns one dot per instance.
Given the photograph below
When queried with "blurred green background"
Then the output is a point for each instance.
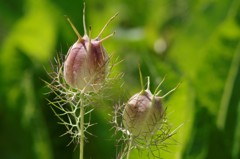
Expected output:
(196, 43)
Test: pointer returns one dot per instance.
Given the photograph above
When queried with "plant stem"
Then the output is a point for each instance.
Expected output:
(129, 148)
(82, 131)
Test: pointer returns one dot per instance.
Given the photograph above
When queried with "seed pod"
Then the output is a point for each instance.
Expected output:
(142, 113)
(86, 63)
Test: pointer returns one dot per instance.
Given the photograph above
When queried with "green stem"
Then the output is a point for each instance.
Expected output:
(82, 131)
(228, 89)
(129, 148)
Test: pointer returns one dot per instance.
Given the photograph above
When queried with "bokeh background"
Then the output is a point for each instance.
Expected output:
(196, 43)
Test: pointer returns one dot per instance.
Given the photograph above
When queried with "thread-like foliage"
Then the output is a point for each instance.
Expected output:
(68, 101)
(156, 138)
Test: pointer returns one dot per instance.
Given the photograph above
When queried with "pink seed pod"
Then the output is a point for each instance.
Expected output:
(86, 63)
(142, 113)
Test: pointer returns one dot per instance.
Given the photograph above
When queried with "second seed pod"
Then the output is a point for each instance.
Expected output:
(142, 113)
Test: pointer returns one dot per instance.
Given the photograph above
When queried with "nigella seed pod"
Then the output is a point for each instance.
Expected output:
(86, 63)
(142, 113)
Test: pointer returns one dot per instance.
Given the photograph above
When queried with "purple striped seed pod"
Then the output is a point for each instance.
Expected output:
(86, 64)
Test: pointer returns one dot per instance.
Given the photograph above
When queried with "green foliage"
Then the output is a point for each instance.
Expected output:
(196, 43)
